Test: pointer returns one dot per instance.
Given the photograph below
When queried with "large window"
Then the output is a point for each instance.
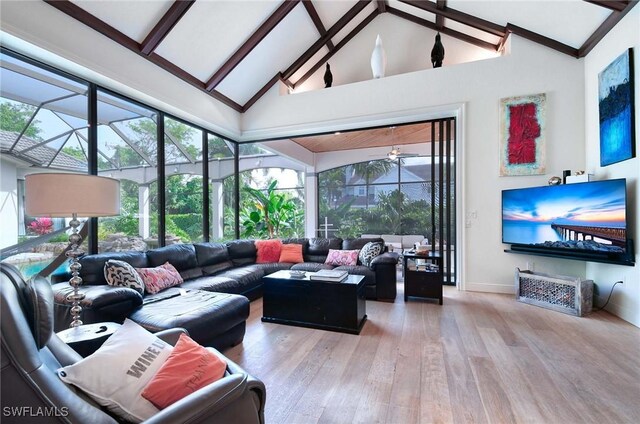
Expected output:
(272, 203)
(368, 197)
(408, 195)
(127, 151)
(43, 128)
(183, 182)
(222, 222)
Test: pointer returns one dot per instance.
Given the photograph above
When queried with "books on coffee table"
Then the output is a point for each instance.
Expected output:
(329, 275)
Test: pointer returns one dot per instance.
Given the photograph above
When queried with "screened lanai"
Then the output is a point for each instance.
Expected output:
(45, 128)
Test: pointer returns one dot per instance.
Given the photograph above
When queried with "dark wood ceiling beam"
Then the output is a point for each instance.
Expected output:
(185, 76)
(382, 6)
(604, 28)
(618, 6)
(81, 15)
(447, 31)
(284, 76)
(541, 39)
(440, 5)
(313, 14)
(255, 39)
(503, 41)
(340, 45)
(331, 32)
(456, 15)
(165, 25)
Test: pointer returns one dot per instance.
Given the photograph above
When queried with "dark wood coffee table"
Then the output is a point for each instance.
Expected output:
(315, 304)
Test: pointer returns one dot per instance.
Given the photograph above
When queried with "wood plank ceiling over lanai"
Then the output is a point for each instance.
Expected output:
(237, 50)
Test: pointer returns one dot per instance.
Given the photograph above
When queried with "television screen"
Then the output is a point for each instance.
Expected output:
(587, 216)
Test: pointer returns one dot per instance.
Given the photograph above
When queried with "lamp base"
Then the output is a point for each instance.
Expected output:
(73, 254)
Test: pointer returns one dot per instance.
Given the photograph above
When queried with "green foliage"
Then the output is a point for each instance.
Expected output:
(391, 213)
(126, 224)
(172, 229)
(218, 148)
(190, 223)
(272, 214)
(60, 238)
(183, 194)
(74, 152)
(15, 116)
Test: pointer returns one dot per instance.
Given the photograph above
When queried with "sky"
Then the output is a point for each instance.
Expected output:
(583, 204)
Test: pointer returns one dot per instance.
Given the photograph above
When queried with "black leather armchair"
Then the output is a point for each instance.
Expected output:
(31, 354)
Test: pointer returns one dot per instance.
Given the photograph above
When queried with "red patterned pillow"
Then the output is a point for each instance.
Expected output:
(160, 277)
(268, 251)
(342, 257)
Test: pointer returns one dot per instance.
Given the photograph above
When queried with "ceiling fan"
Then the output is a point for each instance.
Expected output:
(395, 153)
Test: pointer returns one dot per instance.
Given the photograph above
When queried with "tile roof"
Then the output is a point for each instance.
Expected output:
(39, 156)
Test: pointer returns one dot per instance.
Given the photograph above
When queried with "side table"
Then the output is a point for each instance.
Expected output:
(423, 275)
(87, 338)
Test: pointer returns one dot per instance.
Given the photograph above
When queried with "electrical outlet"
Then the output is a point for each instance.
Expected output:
(531, 266)
(624, 279)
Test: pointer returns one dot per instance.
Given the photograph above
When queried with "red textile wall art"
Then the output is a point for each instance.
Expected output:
(522, 135)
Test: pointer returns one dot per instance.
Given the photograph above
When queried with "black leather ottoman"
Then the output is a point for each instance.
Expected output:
(212, 319)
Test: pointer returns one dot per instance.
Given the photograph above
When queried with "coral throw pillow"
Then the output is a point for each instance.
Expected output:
(291, 253)
(189, 368)
(160, 277)
(342, 257)
(268, 251)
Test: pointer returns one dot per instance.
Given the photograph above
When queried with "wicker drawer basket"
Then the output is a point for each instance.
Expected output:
(570, 295)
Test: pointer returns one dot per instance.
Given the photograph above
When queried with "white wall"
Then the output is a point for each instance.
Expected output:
(86, 53)
(479, 86)
(8, 204)
(625, 301)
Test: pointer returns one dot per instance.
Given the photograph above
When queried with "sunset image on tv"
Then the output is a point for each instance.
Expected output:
(582, 215)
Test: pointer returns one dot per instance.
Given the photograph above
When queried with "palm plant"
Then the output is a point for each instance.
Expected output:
(272, 215)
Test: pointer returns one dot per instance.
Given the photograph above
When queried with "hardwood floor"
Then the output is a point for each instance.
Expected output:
(479, 358)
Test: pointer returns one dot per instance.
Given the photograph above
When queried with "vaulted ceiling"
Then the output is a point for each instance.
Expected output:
(237, 50)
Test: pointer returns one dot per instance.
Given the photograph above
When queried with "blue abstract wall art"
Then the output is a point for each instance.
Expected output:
(615, 103)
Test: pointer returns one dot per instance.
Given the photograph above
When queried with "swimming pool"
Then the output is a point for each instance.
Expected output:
(30, 269)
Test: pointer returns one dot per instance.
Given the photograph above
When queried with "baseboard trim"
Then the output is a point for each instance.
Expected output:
(489, 288)
(627, 314)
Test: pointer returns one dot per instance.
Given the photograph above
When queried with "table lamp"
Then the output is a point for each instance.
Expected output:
(60, 195)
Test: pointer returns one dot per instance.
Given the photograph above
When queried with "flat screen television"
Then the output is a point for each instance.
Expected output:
(579, 221)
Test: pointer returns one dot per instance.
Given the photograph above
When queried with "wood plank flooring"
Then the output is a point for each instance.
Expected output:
(479, 358)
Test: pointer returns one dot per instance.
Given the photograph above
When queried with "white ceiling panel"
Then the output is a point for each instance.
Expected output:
(354, 23)
(314, 59)
(290, 39)
(133, 18)
(330, 11)
(413, 10)
(570, 21)
(465, 29)
(211, 31)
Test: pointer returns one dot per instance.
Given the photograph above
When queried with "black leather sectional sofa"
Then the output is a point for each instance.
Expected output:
(219, 280)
